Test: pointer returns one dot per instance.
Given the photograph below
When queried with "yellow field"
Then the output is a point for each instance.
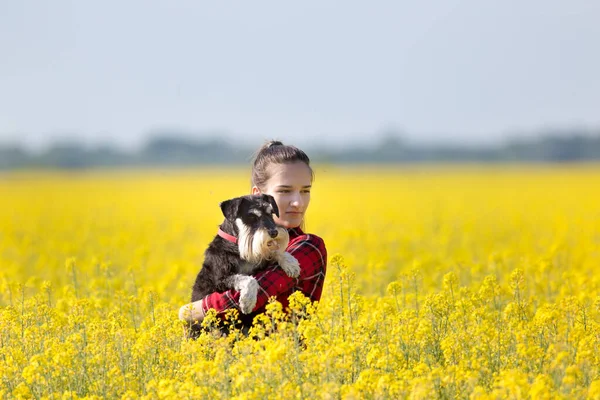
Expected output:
(443, 282)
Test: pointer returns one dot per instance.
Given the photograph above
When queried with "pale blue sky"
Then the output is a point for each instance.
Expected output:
(113, 71)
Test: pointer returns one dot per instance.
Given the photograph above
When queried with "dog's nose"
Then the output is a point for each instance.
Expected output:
(273, 233)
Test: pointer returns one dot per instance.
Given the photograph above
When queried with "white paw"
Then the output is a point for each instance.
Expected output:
(248, 292)
(290, 265)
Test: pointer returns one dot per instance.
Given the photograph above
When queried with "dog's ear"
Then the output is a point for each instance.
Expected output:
(230, 208)
(271, 200)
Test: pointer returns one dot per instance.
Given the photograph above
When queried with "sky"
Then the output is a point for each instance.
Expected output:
(306, 72)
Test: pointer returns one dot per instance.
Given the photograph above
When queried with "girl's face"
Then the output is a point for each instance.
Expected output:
(290, 186)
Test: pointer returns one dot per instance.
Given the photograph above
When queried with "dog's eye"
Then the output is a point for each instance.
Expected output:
(252, 218)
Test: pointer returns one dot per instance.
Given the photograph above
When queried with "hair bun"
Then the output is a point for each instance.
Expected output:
(274, 143)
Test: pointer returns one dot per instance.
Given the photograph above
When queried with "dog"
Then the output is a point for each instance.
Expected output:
(247, 241)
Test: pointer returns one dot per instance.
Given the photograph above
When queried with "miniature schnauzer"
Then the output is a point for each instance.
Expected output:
(247, 241)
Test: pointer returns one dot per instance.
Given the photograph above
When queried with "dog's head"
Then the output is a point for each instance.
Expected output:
(258, 234)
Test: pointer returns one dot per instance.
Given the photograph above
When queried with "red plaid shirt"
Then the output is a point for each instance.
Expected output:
(311, 254)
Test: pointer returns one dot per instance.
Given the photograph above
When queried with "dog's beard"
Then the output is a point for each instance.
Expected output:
(258, 246)
(263, 245)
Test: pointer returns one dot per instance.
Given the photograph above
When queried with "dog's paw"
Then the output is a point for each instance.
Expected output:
(248, 292)
(290, 265)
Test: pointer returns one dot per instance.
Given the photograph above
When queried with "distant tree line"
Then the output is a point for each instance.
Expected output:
(178, 151)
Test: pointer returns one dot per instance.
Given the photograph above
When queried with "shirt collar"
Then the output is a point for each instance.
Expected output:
(294, 232)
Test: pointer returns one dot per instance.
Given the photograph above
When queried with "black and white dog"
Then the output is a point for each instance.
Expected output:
(247, 241)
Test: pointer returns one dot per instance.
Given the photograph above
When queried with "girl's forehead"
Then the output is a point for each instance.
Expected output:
(295, 174)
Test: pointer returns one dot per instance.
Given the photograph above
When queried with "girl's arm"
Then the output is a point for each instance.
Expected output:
(311, 254)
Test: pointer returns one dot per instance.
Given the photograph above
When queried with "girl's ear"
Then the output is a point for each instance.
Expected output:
(255, 190)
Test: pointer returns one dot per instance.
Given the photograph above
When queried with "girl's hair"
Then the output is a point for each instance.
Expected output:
(275, 152)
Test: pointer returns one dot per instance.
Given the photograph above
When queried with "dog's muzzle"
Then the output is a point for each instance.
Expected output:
(278, 240)
(261, 245)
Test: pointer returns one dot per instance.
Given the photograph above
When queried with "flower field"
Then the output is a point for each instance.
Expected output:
(474, 282)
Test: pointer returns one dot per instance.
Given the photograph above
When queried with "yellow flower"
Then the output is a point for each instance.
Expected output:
(440, 284)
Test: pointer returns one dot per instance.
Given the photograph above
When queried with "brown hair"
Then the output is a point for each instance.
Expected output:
(275, 152)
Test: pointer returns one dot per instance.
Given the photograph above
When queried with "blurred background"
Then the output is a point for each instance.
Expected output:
(142, 83)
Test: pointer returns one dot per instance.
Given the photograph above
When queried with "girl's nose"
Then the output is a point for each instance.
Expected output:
(296, 200)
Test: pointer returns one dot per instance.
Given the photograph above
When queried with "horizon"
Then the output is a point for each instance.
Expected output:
(374, 140)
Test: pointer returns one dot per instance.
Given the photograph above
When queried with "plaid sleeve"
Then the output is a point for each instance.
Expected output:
(311, 254)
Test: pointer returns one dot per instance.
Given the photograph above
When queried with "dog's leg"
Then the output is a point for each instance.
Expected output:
(248, 288)
(288, 263)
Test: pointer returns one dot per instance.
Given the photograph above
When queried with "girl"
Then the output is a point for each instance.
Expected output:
(284, 172)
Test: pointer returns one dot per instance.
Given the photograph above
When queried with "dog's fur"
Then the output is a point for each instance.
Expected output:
(228, 265)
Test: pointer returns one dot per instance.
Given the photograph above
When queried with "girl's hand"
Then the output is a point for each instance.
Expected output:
(192, 312)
